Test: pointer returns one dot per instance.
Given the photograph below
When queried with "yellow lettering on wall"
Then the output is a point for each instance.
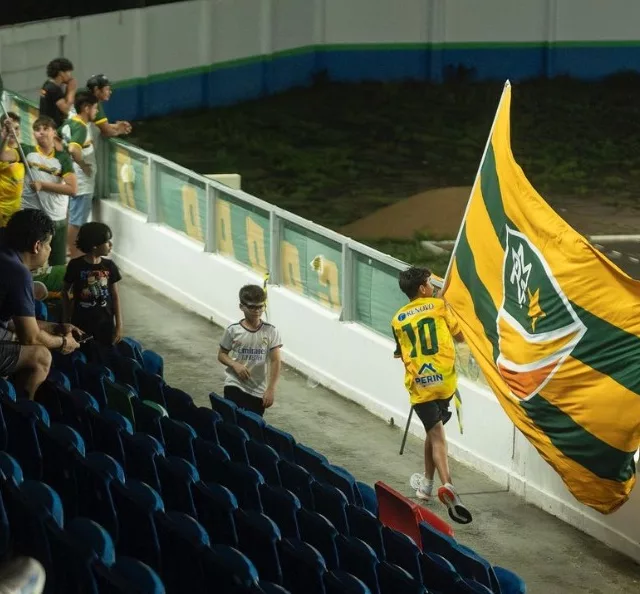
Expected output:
(223, 228)
(290, 264)
(255, 245)
(330, 278)
(125, 175)
(191, 213)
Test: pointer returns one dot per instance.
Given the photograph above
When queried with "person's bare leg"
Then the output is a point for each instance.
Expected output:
(429, 466)
(32, 369)
(438, 440)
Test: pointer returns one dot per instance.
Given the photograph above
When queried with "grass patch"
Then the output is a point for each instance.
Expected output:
(333, 153)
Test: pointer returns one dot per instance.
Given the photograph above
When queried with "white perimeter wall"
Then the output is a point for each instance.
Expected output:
(178, 267)
(135, 44)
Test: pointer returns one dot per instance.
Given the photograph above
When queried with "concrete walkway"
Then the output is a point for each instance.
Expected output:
(550, 555)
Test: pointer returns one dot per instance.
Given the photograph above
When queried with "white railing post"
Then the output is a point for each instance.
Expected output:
(275, 232)
(210, 241)
(153, 215)
(348, 284)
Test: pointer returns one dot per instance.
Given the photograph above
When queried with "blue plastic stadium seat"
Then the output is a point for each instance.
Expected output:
(204, 421)
(265, 459)
(282, 506)
(179, 438)
(91, 378)
(341, 582)
(126, 371)
(308, 458)
(244, 482)
(281, 441)
(210, 459)
(321, 534)
(136, 504)
(402, 551)
(438, 574)
(179, 404)
(148, 417)
(226, 408)
(359, 559)
(229, 570)
(216, 507)
(393, 579)
(141, 453)
(177, 476)
(151, 387)
(22, 442)
(365, 526)
(303, 567)
(182, 542)
(107, 427)
(298, 481)
(132, 575)
(252, 423)
(234, 439)
(131, 348)
(331, 503)
(258, 539)
(58, 377)
(7, 389)
(153, 362)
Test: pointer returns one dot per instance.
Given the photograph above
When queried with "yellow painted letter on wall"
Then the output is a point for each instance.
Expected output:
(256, 246)
(191, 213)
(290, 262)
(223, 228)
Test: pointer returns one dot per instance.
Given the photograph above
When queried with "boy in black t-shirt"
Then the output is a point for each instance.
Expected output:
(93, 280)
(58, 91)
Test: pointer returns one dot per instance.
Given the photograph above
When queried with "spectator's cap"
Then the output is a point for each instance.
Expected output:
(98, 81)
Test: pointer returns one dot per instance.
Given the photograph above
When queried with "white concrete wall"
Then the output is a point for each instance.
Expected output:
(179, 267)
(136, 44)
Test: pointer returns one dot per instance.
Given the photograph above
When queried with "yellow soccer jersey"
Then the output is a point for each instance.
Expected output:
(11, 180)
(424, 330)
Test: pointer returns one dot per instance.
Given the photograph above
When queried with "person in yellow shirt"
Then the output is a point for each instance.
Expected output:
(425, 330)
(11, 174)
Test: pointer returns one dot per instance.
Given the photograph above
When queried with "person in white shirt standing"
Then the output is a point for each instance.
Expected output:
(77, 137)
(251, 351)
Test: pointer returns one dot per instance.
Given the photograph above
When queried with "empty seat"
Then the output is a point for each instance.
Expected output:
(141, 453)
(148, 417)
(252, 423)
(216, 507)
(179, 404)
(151, 387)
(402, 551)
(126, 371)
(258, 539)
(106, 428)
(7, 389)
(229, 570)
(119, 398)
(210, 459)
(282, 506)
(438, 574)
(22, 441)
(10, 468)
(331, 503)
(392, 579)
(358, 558)
(303, 567)
(176, 478)
(365, 526)
(204, 421)
(244, 482)
(265, 459)
(75, 408)
(178, 438)
(281, 441)
(308, 458)
(226, 408)
(234, 439)
(153, 362)
(128, 575)
(91, 377)
(342, 582)
(298, 481)
(131, 348)
(321, 534)
(182, 541)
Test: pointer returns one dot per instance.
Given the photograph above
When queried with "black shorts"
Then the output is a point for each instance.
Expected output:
(9, 355)
(433, 411)
(244, 400)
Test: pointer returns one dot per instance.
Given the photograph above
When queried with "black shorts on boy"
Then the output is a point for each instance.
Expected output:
(433, 411)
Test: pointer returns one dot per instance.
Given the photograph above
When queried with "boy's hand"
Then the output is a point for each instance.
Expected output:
(36, 186)
(86, 169)
(267, 399)
(242, 371)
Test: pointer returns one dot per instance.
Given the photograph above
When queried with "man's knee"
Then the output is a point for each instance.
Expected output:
(36, 358)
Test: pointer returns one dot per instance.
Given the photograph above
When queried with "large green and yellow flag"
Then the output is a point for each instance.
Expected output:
(554, 326)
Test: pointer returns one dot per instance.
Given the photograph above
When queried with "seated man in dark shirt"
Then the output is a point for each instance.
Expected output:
(25, 245)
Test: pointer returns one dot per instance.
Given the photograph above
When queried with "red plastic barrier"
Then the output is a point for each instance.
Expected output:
(398, 512)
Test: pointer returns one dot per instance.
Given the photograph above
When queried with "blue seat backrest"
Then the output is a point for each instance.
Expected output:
(283, 507)
(177, 476)
(141, 452)
(226, 408)
(281, 441)
(258, 538)
(392, 578)
(332, 503)
(179, 404)
(402, 551)
(210, 459)
(342, 582)
(252, 423)
(229, 569)
(303, 567)
(265, 459)
(216, 506)
(365, 526)
(298, 481)
(358, 558)
(178, 438)
(204, 421)
(321, 533)
(234, 439)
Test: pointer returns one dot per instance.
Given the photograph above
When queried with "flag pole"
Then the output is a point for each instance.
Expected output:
(507, 84)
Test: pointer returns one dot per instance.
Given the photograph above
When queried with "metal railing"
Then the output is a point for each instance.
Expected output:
(356, 282)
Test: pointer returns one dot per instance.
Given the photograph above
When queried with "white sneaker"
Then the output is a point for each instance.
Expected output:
(22, 575)
(419, 483)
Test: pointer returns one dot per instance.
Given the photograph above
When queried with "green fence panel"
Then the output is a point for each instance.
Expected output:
(128, 178)
(243, 232)
(28, 113)
(311, 265)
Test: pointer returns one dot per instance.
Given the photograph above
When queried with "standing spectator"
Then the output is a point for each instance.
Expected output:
(77, 135)
(58, 93)
(93, 280)
(25, 245)
(250, 350)
(100, 86)
(11, 174)
(55, 182)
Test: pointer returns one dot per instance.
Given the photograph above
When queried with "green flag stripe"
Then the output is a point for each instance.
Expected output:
(577, 444)
(621, 356)
(482, 303)
(609, 350)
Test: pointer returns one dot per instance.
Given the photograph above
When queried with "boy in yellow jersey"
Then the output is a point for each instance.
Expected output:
(11, 174)
(425, 331)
